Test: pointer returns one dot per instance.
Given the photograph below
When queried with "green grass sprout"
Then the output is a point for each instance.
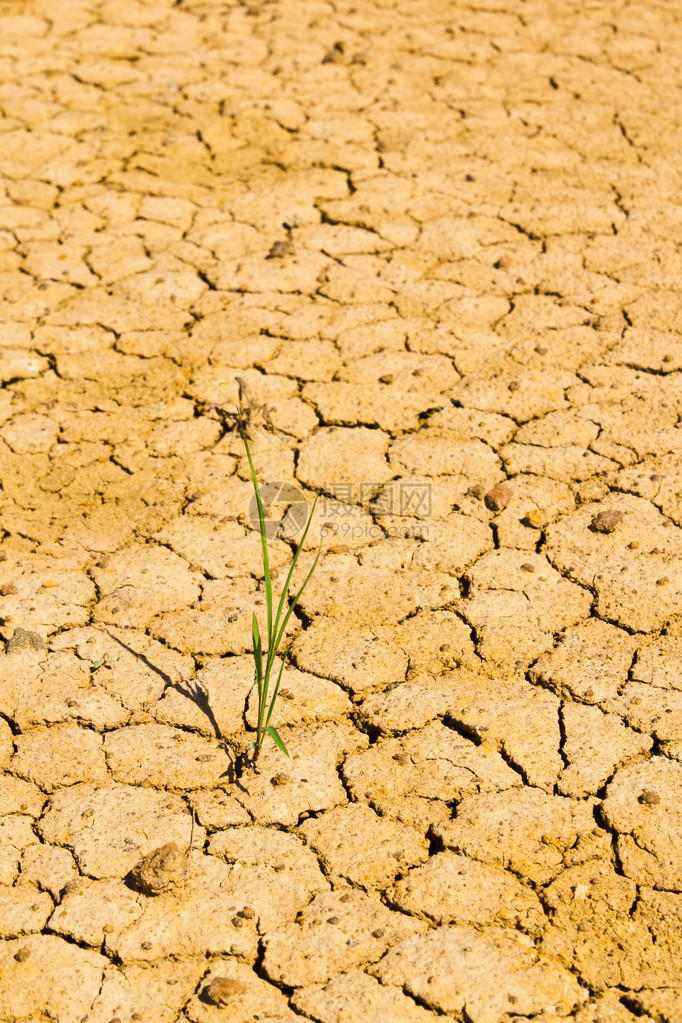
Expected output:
(276, 624)
(105, 661)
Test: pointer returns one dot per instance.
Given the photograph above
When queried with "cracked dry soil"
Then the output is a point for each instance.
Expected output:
(431, 246)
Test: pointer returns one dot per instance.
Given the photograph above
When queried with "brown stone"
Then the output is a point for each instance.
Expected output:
(607, 521)
(498, 498)
(23, 639)
(536, 518)
(222, 990)
(160, 869)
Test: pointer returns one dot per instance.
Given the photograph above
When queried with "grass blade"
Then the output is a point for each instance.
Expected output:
(263, 538)
(276, 736)
(278, 637)
(276, 628)
(257, 654)
(279, 681)
(278, 631)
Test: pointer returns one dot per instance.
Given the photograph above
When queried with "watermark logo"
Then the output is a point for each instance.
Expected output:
(343, 509)
(400, 498)
(285, 510)
(345, 530)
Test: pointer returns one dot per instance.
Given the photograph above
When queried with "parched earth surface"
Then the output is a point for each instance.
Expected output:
(432, 248)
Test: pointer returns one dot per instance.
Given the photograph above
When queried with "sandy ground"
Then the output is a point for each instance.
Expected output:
(433, 248)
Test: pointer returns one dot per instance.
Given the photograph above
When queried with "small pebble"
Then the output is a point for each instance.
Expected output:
(650, 797)
(22, 639)
(22, 954)
(527, 567)
(280, 249)
(334, 55)
(536, 518)
(607, 521)
(280, 779)
(237, 921)
(247, 913)
(514, 385)
(633, 545)
(159, 869)
(7, 588)
(221, 990)
(499, 496)
(146, 945)
(333, 920)
(378, 933)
